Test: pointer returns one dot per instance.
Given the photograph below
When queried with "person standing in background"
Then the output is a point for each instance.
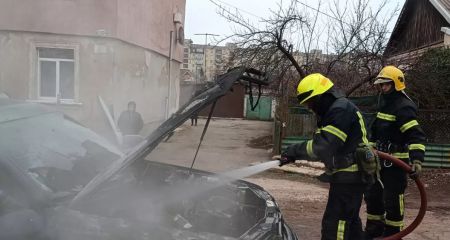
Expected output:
(194, 116)
(130, 122)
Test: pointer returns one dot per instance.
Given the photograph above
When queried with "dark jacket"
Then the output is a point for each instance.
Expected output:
(341, 129)
(396, 129)
(130, 123)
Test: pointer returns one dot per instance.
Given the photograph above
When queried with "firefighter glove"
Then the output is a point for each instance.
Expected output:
(286, 160)
(367, 160)
(416, 169)
(288, 156)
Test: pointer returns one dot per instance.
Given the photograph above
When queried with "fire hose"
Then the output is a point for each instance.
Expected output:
(423, 196)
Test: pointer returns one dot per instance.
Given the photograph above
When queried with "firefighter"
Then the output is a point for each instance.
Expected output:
(341, 129)
(395, 131)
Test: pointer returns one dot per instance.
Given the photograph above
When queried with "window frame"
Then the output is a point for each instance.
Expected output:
(35, 92)
(57, 61)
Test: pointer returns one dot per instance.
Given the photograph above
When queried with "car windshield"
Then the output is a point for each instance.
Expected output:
(59, 153)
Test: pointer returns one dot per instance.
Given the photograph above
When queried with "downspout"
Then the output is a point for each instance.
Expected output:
(170, 77)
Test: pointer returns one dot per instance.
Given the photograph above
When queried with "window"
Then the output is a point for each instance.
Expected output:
(56, 68)
(185, 66)
(198, 50)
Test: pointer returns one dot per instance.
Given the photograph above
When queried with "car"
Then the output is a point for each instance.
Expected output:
(60, 180)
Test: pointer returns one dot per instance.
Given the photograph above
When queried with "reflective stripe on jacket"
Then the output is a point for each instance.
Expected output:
(340, 130)
(396, 125)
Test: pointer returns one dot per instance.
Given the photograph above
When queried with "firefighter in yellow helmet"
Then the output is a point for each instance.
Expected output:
(395, 131)
(340, 130)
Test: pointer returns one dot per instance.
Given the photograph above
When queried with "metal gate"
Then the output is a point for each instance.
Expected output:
(263, 110)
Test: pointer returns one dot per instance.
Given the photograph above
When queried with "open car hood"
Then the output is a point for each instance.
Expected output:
(223, 84)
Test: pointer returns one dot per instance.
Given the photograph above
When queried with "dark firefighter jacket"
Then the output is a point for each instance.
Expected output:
(396, 128)
(341, 129)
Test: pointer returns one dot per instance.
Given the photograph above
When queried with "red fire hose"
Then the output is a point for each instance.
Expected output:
(423, 197)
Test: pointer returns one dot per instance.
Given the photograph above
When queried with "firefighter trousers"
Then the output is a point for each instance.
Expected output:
(385, 206)
(341, 218)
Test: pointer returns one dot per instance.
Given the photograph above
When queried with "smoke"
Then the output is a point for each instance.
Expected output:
(146, 200)
(160, 202)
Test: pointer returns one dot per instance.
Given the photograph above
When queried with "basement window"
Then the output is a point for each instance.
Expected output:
(56, 73)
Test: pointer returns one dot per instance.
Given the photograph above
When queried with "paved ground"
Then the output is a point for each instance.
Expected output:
(301, 197)
(224, 146)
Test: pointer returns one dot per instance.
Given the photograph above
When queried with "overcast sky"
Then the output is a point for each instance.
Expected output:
(202, 17)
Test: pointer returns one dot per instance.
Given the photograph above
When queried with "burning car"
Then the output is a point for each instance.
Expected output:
(60, 180)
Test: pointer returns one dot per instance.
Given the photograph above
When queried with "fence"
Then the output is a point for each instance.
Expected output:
(301, 124)
(436, 125)
(436, 155)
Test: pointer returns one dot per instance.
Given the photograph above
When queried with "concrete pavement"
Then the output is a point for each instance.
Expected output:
(224, 146)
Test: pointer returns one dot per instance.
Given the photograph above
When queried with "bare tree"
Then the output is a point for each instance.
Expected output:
(359, 39)
(352, 38)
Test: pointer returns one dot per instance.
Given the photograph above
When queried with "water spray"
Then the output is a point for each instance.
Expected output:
(251, 170)
(190, 189)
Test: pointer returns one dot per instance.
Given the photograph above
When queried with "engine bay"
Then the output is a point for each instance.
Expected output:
(171, 197)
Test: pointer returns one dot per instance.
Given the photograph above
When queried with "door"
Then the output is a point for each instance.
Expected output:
(262, 111)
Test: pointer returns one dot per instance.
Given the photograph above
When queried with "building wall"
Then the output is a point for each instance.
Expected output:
(116, 70)
(146, 23)
(187, 91)
(78, 17)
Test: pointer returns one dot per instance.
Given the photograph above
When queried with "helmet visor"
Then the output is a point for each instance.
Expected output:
(382, 80)
(303, 96)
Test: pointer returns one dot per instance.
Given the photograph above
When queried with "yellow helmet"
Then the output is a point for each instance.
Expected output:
(391, 73)
(312, 85)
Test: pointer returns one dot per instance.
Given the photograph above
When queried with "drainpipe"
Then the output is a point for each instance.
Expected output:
(170, 77)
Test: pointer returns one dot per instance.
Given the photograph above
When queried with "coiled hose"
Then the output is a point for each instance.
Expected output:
(423, 197)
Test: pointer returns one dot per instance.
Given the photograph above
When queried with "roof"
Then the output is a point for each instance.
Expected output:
(443, 7)
(430, 17)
